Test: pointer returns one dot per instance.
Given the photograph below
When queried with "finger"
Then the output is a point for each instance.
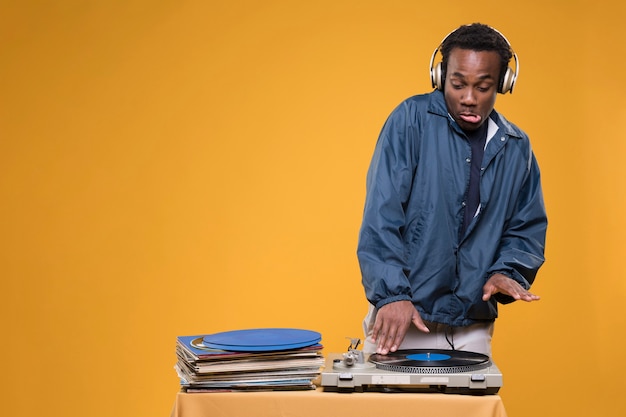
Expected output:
(381, 340)
(391, 339)
(375, 331)
(488, 291)
(381, 348)
(419, 323)
(385, 343)
(518, 292)
(527, 296)
(515, 294)
(397, 340)
(394, 341)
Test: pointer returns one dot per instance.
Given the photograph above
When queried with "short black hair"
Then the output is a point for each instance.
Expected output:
(477, 37)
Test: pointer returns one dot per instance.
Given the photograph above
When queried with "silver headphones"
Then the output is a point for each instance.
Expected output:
(508, 81)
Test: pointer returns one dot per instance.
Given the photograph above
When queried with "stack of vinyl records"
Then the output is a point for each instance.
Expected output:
(270, 359)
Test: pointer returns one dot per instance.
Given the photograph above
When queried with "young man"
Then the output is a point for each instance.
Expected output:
(454, 219)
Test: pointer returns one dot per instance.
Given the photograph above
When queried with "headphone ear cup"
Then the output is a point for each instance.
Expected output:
(507, 82)
(436, 77)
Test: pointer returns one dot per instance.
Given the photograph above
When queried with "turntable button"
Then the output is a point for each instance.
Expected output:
(478, 378)
(345, 376)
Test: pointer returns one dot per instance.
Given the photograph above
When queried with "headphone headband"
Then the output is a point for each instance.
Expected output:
(508, 81)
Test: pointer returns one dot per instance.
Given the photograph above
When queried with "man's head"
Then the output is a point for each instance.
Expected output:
(475, 59)
(477, 37)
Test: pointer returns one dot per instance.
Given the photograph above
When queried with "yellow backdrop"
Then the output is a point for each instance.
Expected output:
(179, 167)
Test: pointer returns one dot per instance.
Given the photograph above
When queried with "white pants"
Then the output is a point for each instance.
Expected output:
(474, 338)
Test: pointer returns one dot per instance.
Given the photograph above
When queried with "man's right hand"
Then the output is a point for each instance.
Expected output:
(392, 322)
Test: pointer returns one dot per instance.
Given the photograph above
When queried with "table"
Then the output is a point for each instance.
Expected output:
(317, 403)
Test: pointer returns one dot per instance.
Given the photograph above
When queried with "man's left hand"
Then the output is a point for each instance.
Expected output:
(499, 283)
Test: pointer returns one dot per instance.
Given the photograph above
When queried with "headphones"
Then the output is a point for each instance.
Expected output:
(508, 81)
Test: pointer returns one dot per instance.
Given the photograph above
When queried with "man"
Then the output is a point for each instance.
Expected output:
(454, 219)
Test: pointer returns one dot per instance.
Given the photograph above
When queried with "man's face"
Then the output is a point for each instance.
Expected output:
(471, 86)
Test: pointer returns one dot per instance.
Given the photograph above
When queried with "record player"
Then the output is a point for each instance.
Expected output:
(415, 370)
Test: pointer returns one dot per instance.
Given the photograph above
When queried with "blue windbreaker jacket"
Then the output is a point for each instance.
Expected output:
(410, 247)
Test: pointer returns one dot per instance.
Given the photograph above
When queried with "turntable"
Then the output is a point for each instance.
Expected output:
(415, 370)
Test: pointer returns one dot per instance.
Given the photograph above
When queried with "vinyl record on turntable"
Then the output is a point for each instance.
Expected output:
(430, 361)
(262, 340)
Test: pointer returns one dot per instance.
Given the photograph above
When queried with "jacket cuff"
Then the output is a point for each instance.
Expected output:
(385, 301)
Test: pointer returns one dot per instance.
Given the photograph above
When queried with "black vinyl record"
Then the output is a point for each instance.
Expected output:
(430, 361)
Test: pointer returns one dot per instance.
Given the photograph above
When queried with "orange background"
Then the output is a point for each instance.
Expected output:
(180, 167)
